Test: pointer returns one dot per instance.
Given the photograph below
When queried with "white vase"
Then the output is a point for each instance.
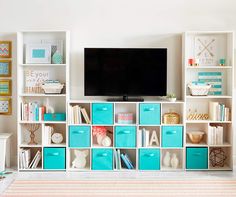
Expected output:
(166, 159)
(174, 161)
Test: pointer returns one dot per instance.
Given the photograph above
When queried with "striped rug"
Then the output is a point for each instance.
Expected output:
(38, 188)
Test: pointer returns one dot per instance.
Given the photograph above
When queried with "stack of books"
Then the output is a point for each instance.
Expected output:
(32, 111)
(25, 159)
(218, 111)
(78, 115)
(122, 160)
(216, 135)
(143, 138)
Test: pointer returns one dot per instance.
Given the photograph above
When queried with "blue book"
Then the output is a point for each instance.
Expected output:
(128, 159)
(36, 115)
(125, 161)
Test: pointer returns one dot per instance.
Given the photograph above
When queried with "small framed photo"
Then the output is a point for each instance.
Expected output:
(5, 68)
(5, 106)
(38, 54)
(5, 49)
(5, 87)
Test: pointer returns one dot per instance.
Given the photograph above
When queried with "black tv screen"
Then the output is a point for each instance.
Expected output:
(125, 71)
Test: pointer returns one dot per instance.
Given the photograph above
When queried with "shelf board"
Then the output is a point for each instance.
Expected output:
(98, 146)
(208, 97)
(171, 169)
(148, 147)
(162, 124)
(24, 145)
(79, 170)
(42, 95)
(209, 67)
(226, 168)
(83, 124)
(39, 65)
(196, 145)
(55, 145)
(207, 121)
(226, 144)
(31, 169)
(42, 122)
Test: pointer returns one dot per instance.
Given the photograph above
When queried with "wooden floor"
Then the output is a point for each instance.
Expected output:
(195, 178)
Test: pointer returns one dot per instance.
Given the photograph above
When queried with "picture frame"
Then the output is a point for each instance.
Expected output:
(5, 106)
(38, 54)
(5, 87)
(56, 45)
(5, 68)
(5, 49)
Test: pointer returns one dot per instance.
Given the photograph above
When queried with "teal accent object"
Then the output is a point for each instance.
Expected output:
(54, 158)
(38, 53)
(102, 113)
(149, 159)
(197, 158)
(55, 117)
(102, 159)
(125, 136)
(57, 58)
(150, 114)
(79, 136)
(172, 136)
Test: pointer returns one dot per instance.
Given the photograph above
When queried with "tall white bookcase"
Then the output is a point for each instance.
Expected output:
(217, 45)
(57, 101)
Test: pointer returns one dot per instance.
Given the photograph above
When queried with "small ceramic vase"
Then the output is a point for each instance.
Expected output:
(57, 58)
(166, 159)
(174, 161)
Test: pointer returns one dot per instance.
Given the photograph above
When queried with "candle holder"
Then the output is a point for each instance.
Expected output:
(32, 128)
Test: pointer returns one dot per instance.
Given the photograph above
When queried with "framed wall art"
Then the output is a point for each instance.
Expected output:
(5, 87)
(56, 45)
(5, 106)
(38, 54)
(5, 49)
(5, 68)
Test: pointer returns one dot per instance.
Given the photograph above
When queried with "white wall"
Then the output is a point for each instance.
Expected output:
(117, 23)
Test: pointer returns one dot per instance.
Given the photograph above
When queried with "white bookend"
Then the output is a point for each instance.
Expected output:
(139, 138)
(147, 138)
(213, 110)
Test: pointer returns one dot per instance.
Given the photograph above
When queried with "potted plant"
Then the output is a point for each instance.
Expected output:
(171, 97)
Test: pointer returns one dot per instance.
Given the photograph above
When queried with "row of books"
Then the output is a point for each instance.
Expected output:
(143, 138)
(25, 159)
(218, 111)
(216, 135)
(32, 111)
(122, 160)
(78, 115)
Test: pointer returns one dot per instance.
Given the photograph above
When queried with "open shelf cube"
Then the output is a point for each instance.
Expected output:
(172, 107)
(122, 110)
(79, 159)
(197, 127)
(150, 138)
(171, 159)
(100, 140)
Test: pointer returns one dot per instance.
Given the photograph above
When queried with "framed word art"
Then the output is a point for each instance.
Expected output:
(5, 68)
(5, 87)
(38, 54)
(5, 106)
(5, 49)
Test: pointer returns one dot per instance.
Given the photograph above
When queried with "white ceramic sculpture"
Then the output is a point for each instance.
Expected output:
(174, 161)
(166, 159)
(80, 159)
(103, 140)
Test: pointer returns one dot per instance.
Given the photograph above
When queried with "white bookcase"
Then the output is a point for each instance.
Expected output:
(223, 47)
(57, 101)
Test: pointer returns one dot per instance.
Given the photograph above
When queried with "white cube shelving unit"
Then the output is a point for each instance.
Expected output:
(223, 48)
(57, 101)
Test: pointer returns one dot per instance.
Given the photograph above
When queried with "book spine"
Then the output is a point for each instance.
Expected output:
(125, 161)
(129, 161)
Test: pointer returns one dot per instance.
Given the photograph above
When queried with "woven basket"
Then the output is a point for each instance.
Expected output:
(171, 118)
(199, 90)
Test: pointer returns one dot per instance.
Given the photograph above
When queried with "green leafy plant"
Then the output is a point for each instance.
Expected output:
(170, 95)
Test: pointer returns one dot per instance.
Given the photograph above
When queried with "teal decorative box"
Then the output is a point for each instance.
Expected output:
(55, 117)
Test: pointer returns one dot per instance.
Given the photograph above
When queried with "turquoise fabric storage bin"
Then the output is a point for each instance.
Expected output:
(150, 114)
(55, 117)
(197, 158)
(102, 159)
(172, 136)
(79, 136)
(149, 159)
(125, 136)
(102, 113)
(54, 158)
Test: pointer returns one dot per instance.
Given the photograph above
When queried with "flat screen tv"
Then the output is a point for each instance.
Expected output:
(125, 71)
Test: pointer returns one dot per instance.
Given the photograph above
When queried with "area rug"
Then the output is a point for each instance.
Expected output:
(36, 188)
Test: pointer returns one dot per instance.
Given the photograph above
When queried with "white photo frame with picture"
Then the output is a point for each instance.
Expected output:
(38, 54)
